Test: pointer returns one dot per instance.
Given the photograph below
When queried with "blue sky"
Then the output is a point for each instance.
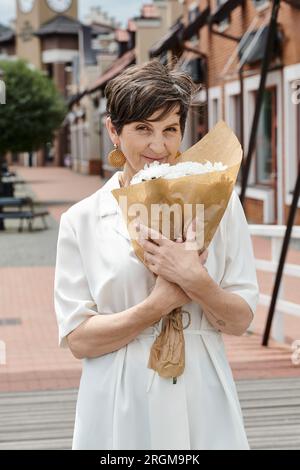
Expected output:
(120, 9)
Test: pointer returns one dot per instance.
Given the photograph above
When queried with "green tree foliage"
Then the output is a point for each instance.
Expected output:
(34, 108)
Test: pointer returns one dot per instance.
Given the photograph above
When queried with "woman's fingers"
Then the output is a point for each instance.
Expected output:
(157, 237)
(148, 246)
(203, 256)
(191, 231)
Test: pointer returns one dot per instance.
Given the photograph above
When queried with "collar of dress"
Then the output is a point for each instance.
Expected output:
(108, 206)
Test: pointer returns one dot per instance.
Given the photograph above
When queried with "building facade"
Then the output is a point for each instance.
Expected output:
(45, 34)
(220, 43)
(230, 38)
(133, 44)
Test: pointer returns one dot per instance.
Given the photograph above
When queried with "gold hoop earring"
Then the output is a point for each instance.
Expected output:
(178, 154)
(116, 157)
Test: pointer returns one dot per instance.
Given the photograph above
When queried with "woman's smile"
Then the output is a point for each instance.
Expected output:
(154, 159)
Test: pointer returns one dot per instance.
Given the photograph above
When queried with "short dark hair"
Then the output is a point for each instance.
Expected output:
(141, 90)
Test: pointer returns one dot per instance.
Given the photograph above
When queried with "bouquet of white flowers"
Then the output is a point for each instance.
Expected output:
(165, 170)
(167, 198)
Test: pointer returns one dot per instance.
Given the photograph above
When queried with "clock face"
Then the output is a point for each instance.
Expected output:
(59, 6)
(26, 5)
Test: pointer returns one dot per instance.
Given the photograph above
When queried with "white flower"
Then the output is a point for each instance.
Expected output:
(152, 171)
(165, 170)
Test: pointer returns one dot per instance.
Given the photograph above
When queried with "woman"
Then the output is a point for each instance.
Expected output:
(110, 306)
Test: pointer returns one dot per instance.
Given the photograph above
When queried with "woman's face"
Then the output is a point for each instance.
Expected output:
(146, 142)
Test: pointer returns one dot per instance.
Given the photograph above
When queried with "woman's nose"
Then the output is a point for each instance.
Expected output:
(158, 146)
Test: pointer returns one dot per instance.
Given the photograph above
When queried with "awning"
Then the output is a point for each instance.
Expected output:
(224, 10)
(117, 67)
(197, 24)
(7, 37)
(194, 66)
(6, 34)
(257, 46)
(59, 25)
(72, 99)
(171, 40)
(294, 3)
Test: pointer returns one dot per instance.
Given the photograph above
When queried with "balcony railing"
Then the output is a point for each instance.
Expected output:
(283, 306)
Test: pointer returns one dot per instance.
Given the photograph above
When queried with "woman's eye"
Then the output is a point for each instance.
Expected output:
(144, 128)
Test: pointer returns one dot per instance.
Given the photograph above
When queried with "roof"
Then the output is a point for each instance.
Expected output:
(224, 9)
(148, 12)
(72, 99)
(122, 35)
(170, 40)
(117, 67)
(99, 28)
(61, 24)
(4, 28)
(6, 34)
(131, 25)
(198, 23)
(294, 3)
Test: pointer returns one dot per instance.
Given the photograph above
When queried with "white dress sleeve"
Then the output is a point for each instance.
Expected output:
(72, 298)
(240, 273)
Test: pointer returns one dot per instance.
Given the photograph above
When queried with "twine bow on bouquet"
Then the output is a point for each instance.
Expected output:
(205, 176)
(167, 355)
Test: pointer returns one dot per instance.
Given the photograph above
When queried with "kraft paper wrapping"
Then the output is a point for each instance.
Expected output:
(213, 190)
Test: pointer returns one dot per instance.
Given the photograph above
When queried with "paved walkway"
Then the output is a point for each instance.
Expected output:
(271, 410)
(27, 319)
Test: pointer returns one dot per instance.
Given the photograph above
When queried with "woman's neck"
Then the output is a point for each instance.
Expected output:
(126, 176)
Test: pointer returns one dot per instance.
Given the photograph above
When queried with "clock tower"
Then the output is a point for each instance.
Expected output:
(31, 14)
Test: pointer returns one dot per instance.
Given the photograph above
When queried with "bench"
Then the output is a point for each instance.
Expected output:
(29, 214)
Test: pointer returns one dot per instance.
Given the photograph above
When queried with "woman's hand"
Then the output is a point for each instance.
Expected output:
(178, 262)
(167, 296)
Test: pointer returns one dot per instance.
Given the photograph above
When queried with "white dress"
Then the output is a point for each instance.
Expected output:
(121, 403)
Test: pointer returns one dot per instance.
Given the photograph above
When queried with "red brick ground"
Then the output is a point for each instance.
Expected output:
(34, 360)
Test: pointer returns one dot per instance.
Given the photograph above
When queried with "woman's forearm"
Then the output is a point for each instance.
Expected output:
(102, 334)
(226, 311)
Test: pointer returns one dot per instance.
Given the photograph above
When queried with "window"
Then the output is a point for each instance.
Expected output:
(298, 129)
(215, 111)
(260, 4)
(196, 69)
(193, 13)
(224, 23)
(236, 111)
(292, 129)
(163, 58)
(266, 140)
(235, 121)
(214, 105)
